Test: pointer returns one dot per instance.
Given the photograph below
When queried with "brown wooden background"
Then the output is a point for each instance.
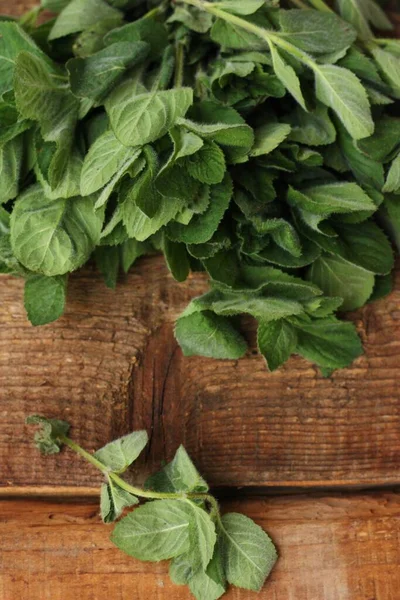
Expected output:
(315, 461)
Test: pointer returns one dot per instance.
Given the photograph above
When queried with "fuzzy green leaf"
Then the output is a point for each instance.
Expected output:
(342, 91)
(248, 553)
(277, 341)
(113, 501)
(47, 438)
(120, 454)
(145, 117)
(180, 475)
(207, 334)
(53, 237)
(338, 277)
(155, 531)
(79, 15)
(44, 298)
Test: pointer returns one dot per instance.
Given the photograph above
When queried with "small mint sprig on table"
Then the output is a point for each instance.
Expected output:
(181, 520)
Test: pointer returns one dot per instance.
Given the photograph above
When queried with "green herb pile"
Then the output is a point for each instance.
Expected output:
(182, 522)
(255, 142)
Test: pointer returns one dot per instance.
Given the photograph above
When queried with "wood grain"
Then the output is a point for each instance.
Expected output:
(332, 548)
(112, 365)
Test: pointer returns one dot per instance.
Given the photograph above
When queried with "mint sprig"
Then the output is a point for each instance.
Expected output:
(181, 520)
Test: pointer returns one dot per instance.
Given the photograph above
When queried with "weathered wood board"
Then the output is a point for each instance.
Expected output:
(112, 364)
(332, 547)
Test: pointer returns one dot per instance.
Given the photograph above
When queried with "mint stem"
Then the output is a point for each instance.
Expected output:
(321, 5)
(135, 490)
(179, 64)
(266, 35)
(299, 4)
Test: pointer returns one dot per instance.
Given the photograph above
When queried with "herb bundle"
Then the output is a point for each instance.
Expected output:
(255, 142)
(182, 522)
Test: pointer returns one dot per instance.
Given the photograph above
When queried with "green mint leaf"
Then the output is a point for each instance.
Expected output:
(41, 95)
(79, 15)
(202, 227)
(313, 128)
(181, 569)
(68, 184)
(207, 164)
(384, 141)
(316, 32)
(248, 553)
(120, 454)
(176, 258)
(366, 245)
(44, 298)
(366, 170)
(94, 77)
(342, 91)
(362, 12)
(10, 124)
(145, 117)
(156, 531)
(389, 214)
(113, 501)
(328, 342)
(230, 35)
(268, 137)
(108, 261)
(180, 475)
(11, 161)
(277, 341)
(261, 307)
(50, 430)
(13, 40)
(339, 277)
(202, 537)
(147, 30)
(53, 237)
(211, 583)
(106, 158)
(287, 75)
(392, 183)
(192, 17)
(237, 7)
(389, 65)
(207, 334)
(331, 198)
(131, 250)
(274, 282)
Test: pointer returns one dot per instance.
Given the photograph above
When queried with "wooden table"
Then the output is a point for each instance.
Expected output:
(315, 461)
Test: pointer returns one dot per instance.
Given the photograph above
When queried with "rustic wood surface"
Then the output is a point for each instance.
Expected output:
(333, 548)
(112, 365)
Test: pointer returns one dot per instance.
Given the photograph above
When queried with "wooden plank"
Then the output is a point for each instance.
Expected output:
(112, 365)
(332, 548)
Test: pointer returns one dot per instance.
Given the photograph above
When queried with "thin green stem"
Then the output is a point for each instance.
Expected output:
(86, 455)
(321, 5)
(139, 491)
(179, 64)
(153, 12)
(265, 34)
(299, 3)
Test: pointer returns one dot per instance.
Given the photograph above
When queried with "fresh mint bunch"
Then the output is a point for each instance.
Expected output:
(181, 520)
(252, 140)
